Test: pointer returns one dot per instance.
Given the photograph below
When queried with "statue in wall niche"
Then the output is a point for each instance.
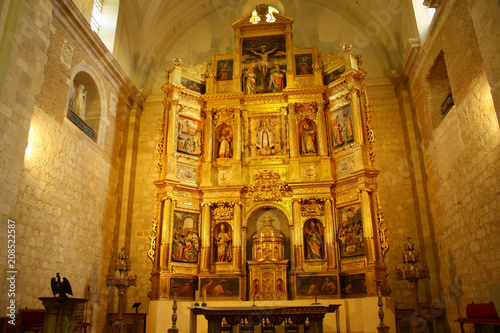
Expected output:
(308, 139)
(225, 139)
(78, 102)
(265, 139)
(313, 235)
(223, 244)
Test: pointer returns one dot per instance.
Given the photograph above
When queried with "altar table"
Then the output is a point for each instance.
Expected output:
(256, 314)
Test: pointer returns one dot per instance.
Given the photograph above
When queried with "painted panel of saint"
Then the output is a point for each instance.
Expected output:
(334, 75)
(224, 70)
(223, 242)
(221, 287)
(263, 64)
(350, 233)
(303, 64)
(185, 238)
(317, 285)
(353, 285)
(224, 137)
(189, 136)
(307, 135)
(314, 244)
(185, 287)
(342, 127)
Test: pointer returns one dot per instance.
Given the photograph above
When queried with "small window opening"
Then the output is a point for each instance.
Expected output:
(95, 21)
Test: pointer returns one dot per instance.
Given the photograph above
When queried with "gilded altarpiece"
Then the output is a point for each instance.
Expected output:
(266, 186)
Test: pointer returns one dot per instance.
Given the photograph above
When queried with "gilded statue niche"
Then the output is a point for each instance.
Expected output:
(223, 241)
(266, 135)
(224, 141)
(307, 136)
(314, 240)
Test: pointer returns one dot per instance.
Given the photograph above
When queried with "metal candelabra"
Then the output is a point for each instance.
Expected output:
(121, 283)
(413, 274)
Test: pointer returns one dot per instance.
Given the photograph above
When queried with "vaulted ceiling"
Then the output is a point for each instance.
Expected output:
(150, 33)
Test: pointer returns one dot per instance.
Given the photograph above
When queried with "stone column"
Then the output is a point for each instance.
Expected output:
(322, 143)
(206, 238)
(171, 128)
(298, 245)
(237, 234)
(164, 233)
(330, 232)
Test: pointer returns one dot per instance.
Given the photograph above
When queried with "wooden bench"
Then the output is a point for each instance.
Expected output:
(31, 320)
(479, 315)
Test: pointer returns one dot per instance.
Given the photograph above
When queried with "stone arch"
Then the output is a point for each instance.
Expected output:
(95, 97)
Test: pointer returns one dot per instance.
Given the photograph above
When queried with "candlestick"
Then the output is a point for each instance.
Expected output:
(204, 298)
(196, 297)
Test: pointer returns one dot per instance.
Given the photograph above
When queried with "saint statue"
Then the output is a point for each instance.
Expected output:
(223, 245)
(78, 102)
(249, 81)
(276, 80)
(314, 242)
(308, 139)
(224, 147)
(265, 139)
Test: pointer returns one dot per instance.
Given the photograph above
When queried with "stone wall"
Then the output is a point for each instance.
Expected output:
(462, 158)
(62, 188)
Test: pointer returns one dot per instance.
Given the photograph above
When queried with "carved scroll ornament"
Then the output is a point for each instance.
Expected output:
(312, 206)
(222, 210)
(267, 186)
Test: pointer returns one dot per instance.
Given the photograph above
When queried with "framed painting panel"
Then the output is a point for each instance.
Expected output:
(310, 286)
(303, 64)
(185, 237)
(185, 287)
(224, 70)
(189, 136)
(353, 285)
(342, 130)
(264, 64)
(333, 75)
(350, 233)
(193, 85)
(220, 287)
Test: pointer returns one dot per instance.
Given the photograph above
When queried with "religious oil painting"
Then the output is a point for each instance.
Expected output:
(223, 242)
(189, 136)
(220, 287)
(307, 134)
(185, 238)
(317, 285)
(353, 285)
(303, 64)
(264, 64)
(342, 129)
(334, 75)
(193, 85)
(314, 242)
(185, 287)
(350, 233)
(224, 70)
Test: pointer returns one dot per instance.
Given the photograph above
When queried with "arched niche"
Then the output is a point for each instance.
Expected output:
(308, 139)
(256, 221)
(223, 243)
(314, 240)
(223, 141)
(85, 103)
